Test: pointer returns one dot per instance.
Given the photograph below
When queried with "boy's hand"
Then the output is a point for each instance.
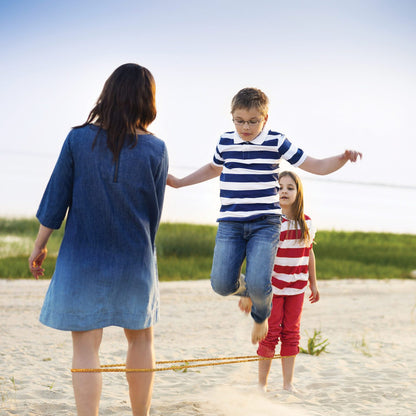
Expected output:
(35, 262)
(314, 296)
(352, 155)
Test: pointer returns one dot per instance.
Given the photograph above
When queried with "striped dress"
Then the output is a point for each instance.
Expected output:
(291, 266)
(248, 182)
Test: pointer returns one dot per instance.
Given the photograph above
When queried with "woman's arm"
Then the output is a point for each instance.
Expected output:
(330, 164)
(39, 251)
(203, 174)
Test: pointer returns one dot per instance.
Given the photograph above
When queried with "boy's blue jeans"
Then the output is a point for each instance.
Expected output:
(257, 242)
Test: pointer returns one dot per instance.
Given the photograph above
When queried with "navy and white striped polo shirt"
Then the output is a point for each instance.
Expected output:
(248, 182)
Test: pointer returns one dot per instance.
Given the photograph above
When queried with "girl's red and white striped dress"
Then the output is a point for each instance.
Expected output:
(290, 272)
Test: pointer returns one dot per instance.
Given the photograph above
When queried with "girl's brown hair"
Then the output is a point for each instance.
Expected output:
(298, 206)
(126, 103)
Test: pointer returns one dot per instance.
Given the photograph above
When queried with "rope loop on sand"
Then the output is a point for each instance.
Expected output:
(199, 362)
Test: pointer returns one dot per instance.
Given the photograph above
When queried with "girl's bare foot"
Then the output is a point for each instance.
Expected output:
(245, 304)
(292, 391)
(262, 388)
(259, 331)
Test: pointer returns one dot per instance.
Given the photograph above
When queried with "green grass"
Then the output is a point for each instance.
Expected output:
(316, 345)
(185, 252)
(367, 255)
(363, 347)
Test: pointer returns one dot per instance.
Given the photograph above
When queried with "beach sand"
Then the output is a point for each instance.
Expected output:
(370, 368)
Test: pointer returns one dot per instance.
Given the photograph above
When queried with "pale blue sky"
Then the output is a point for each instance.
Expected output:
(339, 74)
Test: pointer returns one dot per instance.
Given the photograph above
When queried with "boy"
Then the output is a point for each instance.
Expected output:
(249, 221)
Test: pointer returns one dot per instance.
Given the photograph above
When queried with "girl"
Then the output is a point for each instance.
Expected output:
(294, 266)
(110, 177)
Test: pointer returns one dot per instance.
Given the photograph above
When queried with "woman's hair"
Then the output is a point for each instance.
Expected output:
(297, 209)
(248, 98)
(126, 103)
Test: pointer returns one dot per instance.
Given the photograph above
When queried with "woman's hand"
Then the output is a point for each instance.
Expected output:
(172, 181)
(35, 261)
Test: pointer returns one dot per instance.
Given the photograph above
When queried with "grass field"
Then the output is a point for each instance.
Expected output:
(185, 252)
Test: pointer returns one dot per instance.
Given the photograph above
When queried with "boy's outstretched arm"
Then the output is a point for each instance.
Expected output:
(203, 174)
(329, 164)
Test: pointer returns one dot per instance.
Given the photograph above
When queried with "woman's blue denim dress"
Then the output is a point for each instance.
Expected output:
(106, 271)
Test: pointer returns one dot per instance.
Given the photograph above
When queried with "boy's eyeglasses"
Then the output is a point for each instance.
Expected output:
(250, 123)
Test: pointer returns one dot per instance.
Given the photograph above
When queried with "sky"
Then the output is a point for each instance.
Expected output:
(339, 75)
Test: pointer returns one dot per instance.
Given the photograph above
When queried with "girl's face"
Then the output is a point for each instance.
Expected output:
(287, 191)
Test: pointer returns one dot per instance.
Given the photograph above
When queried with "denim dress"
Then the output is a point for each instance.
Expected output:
(106, 272)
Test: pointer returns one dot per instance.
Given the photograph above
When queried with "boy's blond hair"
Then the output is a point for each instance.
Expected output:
(248, 98)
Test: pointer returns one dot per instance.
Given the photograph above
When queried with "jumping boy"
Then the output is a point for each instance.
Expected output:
(249, 221)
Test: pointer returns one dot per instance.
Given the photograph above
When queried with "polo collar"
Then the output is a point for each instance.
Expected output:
(257, 140)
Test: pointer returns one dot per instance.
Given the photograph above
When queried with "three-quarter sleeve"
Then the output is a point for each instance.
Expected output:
(57, 197)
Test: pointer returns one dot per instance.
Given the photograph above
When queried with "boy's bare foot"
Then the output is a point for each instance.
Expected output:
(259, 331)
(245, 304)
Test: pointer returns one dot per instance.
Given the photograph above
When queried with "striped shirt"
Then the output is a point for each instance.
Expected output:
(248, 182)
(291, 265)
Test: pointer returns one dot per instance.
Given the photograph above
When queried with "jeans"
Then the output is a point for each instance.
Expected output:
(257, 242)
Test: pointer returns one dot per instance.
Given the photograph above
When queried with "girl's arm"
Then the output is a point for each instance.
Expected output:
(313, 285)
(39, 251)
(329, 164)
(203, 174)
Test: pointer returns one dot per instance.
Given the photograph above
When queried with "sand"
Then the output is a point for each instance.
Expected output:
(370, 368)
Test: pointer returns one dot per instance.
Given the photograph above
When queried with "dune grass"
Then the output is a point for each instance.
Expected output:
(316, 345)
(185, 252)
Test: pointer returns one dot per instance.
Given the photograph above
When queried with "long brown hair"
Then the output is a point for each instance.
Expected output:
(297, 208)
(126, 103)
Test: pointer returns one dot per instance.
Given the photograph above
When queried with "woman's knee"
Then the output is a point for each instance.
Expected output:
(139, 335)
(86, 346)
(87, 339)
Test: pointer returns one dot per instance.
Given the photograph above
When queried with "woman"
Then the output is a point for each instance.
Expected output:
(110, 177)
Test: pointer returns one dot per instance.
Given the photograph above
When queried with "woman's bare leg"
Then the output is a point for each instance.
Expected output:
(140, 354)
(87, 386)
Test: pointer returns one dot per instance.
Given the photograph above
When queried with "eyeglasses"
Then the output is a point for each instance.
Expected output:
(250, 123)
